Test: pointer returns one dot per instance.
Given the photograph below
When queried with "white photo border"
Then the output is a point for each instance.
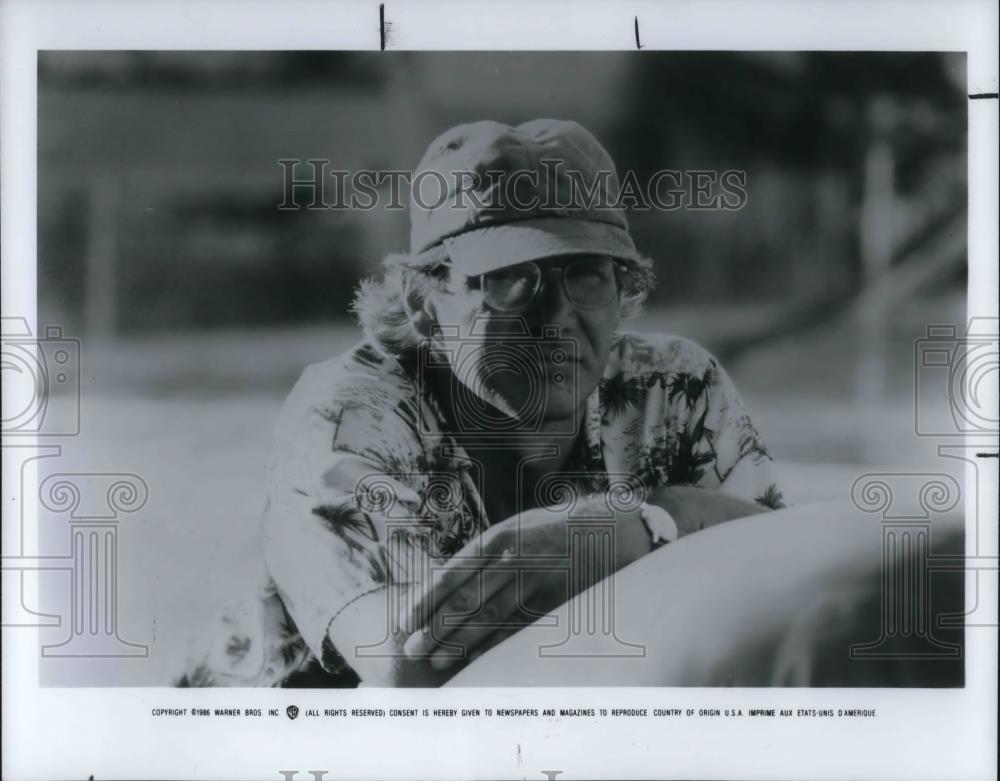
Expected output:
(110, 733)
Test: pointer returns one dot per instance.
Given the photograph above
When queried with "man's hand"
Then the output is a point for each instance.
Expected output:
(491, 573)
(508, 577)
(372, 623)
(516, 572)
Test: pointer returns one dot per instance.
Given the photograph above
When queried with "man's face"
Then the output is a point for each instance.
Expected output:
(542, 360)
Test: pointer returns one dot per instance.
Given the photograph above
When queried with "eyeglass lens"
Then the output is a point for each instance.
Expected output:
(590, 282)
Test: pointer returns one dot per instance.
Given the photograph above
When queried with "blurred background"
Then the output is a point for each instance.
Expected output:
(198, 302)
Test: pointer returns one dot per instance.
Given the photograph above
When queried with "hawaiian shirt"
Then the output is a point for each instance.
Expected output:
(664, 413)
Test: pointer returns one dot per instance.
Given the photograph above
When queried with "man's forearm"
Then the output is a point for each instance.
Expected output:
(694, 508)
(371, 639)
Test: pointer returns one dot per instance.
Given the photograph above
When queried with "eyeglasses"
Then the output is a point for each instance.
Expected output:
(590, 282)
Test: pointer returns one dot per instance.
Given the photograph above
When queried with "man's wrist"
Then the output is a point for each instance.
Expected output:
(659, 524)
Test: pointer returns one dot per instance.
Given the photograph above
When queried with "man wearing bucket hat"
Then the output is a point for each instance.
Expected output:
(419, 478)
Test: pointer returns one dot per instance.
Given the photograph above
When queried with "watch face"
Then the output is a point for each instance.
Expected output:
(661, 526)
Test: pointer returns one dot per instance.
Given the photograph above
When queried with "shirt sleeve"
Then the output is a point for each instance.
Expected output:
(338, 479)
(736, 460)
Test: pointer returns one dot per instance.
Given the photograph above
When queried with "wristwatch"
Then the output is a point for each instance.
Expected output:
(658, 522)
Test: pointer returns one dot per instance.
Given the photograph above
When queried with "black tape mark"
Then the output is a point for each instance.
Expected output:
(381, 25)
(637, 44)
(984, 95)
(987, 455)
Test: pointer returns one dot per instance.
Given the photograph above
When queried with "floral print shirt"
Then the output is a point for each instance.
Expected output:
(664, 413)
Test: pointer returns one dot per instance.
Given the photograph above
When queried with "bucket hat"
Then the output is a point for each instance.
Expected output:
(496, 195)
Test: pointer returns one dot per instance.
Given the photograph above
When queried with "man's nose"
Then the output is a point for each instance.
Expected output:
(553, 306)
